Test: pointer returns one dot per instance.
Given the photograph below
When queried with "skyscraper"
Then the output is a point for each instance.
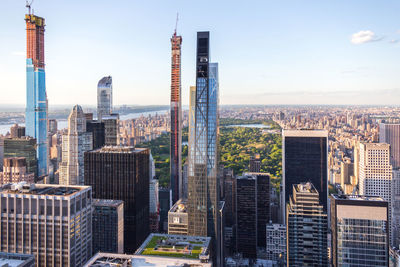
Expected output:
(376, 175)
(305, 159)
(104, 97)
(255, 163)
(14, 171)
(203, 197)
(252, 212)
(176, 120)
(22, 147)
(74, 144)
(52, 222)
(390, 134)
(108, 226)
(123, 173)
(306, 227)
(36, 96)
(360, 235)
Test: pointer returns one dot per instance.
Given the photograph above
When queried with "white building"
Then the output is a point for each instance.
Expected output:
(104, 97)
(276, 242)
(74, 144)
(375, 173)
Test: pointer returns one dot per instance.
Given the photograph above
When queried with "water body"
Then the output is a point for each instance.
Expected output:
(260, 126)
(62, 124)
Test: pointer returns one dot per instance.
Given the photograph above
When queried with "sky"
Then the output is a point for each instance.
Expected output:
(269, 51)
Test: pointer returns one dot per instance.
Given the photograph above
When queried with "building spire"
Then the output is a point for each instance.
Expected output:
(176, 23)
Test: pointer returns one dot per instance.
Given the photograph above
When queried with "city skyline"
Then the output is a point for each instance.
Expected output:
(301, 53)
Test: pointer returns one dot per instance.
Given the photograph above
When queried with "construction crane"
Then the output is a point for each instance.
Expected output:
(28, 5)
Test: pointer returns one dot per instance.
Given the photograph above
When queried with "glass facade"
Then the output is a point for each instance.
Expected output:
(361, 242)
(305, 160)
(104, 97)
(203, 195)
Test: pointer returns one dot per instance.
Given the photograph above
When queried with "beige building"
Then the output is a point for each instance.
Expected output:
(51, 222)
(14, 171)
(178, 219)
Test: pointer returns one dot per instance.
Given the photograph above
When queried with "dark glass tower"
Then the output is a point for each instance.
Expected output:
(123, 173)
(203, 195)
(176, 119)
(305, 154)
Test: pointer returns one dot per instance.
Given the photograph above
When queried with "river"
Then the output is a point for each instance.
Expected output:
(62, 124)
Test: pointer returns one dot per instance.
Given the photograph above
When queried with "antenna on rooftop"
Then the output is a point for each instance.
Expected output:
(176, 23)
(28, 5)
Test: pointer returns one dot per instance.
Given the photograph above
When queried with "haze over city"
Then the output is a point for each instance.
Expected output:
(269, 52)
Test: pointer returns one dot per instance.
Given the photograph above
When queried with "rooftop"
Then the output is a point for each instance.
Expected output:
(305, 188)
(123, 260)
(304, 133)
(40, 189)
(118, 149)
(15, 260)
(179, 206)
(176, 246)
(107, 202)
(357, 197)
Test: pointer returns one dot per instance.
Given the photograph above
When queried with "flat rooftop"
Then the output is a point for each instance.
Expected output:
(41, 189)
(123, 260)
(107, 202)
(15, 259)
(305, 133)
(176, 246)
(118, 149)
(305, 188)
(357, 197)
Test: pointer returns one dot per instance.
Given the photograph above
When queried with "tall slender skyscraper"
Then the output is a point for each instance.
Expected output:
(74, 144)
(36, 97)
(203, 197)
(104, 97)
(176, 119)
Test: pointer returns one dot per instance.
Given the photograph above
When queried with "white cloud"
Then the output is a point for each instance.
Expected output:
(362, 37)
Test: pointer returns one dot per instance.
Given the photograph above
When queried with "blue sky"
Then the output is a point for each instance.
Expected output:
(269, 52)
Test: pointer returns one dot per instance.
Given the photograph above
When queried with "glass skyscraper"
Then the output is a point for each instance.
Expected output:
(203, 195)
(36, 97)
(104, 97)
(360, 234)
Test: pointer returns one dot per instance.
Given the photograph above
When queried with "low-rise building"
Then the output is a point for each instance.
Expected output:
(178, 219)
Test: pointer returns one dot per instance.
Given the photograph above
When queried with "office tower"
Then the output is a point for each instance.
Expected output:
(104, 97)
(111, 129)
(53, 126)
(203, 197)
(304, 159)
(346, 175)
(36, 96)
(52, 222)
(22, 147)
(375, 173)
(360, 235)
(246, 218)
(390, 134)
(1, 151)
(14, 171)
(252, 212)
(16, 260)
(123, 173)
(108, 226)
(154, 216)
(178, 219)
(185, 180)
(98, 133)
(176, 120)
(396, 208)
(17, 131)
(306, 227)
(276, 242)
(255, 163)
(164, 198)
(74, 144)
